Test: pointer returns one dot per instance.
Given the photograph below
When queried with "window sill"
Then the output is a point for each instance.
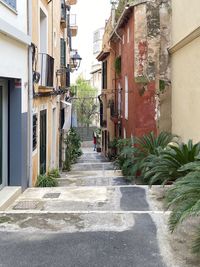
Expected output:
(9, 7)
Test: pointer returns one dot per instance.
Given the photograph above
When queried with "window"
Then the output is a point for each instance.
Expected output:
(123, 39)
(128, 35)
(104, 75)
(11, 3)
(120, 49)
(34, 132)
(62, 52)
(126, 97)
(124, 133)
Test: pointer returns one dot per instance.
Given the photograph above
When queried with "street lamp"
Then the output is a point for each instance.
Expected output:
(75, 60)
(113, 2)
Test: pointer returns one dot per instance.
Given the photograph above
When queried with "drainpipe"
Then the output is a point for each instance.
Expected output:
(30, 94)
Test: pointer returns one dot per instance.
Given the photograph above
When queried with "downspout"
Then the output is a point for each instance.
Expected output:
(30, 94)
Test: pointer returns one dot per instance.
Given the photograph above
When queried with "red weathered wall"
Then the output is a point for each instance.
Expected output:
(141, 106)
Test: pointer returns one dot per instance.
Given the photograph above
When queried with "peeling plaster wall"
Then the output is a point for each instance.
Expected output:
(140, 41)
(151, 62)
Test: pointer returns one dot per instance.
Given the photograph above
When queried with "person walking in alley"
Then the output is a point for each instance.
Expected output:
(95, 140)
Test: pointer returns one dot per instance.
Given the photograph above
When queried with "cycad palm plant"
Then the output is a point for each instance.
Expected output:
(133, 153)
(168, 162)
(149, 143)
(184, 199)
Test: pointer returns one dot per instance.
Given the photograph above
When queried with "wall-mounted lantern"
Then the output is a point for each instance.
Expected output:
(75, 60)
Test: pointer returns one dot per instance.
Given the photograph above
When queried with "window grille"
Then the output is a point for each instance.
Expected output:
(34, 132)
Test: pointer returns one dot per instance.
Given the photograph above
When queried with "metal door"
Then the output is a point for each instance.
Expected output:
(43, 141)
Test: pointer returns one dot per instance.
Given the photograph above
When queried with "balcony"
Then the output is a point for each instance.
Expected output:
(46, 70)
(71, 2)
(73, 25)
(114, 114)
(63, 18)
(63, 76)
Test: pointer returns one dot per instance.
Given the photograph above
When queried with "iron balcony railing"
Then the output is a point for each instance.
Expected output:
(113, 110)
(46, 70)
(63, 11)
(64, 77)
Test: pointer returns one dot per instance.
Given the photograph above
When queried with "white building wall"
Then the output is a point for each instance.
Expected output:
(13, 50)
(19, 18)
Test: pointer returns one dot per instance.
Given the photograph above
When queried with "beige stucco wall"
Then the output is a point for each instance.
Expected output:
(186, 91)
(185, 66)
(42, 104)
(48, 103)
(185, 18)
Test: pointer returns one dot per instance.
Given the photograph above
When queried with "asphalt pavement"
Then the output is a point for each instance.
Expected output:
(93, 219)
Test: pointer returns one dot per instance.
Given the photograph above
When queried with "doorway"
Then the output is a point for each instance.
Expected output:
(3, 133)
(43, 141)
(53, 148)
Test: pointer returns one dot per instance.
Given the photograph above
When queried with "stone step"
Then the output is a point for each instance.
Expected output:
(92, 181)
(91, 174)
(92, 166)
(8, 195)
(86, 199)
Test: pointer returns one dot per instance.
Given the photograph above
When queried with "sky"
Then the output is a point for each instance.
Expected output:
(91, 15)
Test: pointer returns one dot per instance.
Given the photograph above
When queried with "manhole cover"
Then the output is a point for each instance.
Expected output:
(26, 205)
(51, 195)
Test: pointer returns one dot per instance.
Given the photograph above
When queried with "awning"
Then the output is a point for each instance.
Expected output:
(66, 103)
(103, 55)
(68, 115)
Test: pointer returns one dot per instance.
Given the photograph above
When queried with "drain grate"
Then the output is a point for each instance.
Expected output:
(26, 205)
(51, 195)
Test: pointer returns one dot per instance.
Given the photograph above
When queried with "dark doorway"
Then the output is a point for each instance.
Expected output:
(105, 139)
(43, 141)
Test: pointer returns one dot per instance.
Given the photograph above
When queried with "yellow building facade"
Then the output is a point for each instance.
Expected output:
(51, 46)
(185, 65)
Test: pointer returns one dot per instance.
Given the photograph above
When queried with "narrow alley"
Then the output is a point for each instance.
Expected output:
(92, 219)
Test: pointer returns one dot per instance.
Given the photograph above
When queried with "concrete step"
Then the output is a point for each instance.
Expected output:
(8, 195)
(92, 181)
(91, 174)
(84, 199)
(92, 166)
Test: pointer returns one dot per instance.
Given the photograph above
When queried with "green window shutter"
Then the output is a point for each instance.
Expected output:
(104, 75)
(62, 52)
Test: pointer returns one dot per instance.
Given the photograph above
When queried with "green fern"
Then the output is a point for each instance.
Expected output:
(46, 181)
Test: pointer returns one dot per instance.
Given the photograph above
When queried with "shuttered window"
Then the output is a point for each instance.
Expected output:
(34, 132)
(104, 75)
(126, 97)
(11, 3)
(62, 52)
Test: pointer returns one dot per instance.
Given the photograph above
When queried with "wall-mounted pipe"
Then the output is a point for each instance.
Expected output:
(30, 93)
